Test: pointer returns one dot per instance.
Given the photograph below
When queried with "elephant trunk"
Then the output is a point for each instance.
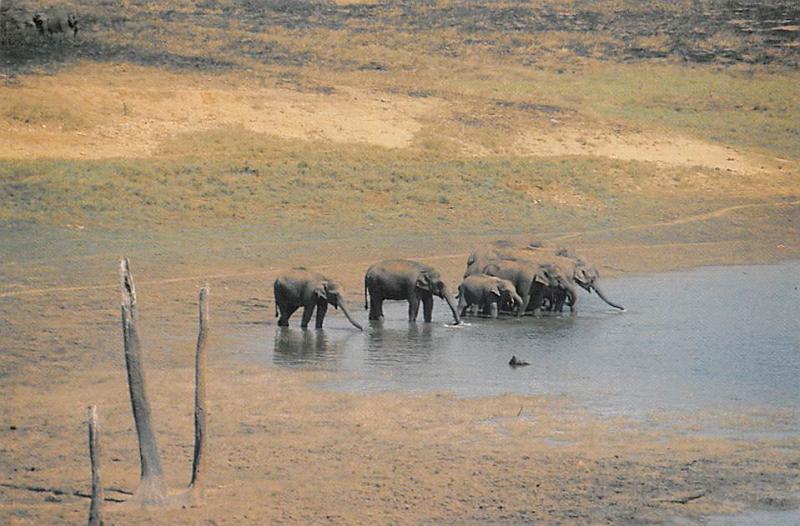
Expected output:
(516, 299)
(446, 297)
(603, 297)
(347, 315)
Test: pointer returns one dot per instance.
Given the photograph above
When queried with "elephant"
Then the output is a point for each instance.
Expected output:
(487, 292)
(577, 269)
(55, 23)
(300, 287)
(584, 274)
(554, 299)
(531, 280)
(401, 279)
(483, 255)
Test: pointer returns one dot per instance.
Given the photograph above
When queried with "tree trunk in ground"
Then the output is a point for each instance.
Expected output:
(197, 484)
(152, 489)
(96, 506)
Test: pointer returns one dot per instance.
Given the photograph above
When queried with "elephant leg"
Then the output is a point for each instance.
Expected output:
(375, 307)
(322, 308)
(536, 300)
(526, 298)
(286, 313)
(462, 305)
(413, 308)
(427, 307)
(308, 310)
(493, 310)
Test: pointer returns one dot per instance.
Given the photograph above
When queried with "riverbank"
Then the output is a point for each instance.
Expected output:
(284, 450)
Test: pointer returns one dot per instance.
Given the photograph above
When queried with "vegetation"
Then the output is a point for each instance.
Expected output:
(492, 72)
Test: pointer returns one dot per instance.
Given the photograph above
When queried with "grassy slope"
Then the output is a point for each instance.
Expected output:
(500, 68)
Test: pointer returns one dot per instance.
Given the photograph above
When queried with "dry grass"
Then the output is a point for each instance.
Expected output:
(394, 115)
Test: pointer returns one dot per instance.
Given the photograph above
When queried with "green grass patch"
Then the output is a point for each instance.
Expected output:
(298, 187)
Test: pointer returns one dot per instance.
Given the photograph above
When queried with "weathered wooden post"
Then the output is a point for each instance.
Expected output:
(197, 484)
(152, 489)
(96, 506)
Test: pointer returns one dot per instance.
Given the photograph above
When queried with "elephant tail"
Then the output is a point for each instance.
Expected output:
(276, 309)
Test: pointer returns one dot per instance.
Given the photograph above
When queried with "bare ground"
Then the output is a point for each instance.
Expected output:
(284, 450)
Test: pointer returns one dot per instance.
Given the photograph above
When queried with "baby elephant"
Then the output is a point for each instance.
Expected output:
(487, 292)
(300, 287)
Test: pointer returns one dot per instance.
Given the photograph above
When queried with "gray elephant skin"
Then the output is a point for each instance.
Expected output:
(51, 23)
(487, 292)
(533, 280)
(300, 287)
(576, 269)
(401, 279)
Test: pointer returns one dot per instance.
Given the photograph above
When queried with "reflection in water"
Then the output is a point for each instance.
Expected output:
(713, 338)
(298, 347)
(393, 345)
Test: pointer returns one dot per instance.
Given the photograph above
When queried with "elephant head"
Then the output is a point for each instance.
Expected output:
(329, 292)
(430, 281)
(587, 277)
(40, 21)
(508, 292)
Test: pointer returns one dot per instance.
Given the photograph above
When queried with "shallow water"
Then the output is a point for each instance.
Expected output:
(715, 338)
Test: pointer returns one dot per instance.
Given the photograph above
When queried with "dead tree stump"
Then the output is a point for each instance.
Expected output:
(197, 484)
(96, 506)
(152, 489)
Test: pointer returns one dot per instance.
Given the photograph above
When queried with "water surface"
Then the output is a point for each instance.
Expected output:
(715, 338)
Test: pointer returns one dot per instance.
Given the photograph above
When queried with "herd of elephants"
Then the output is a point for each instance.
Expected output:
(500, 277)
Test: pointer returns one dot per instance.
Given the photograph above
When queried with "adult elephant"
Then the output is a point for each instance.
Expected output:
(575, 268)
(51, 23)
(532, 279)
(487, 292)
(401, 279)
(489, 253)
(583, 273)
(300, 287)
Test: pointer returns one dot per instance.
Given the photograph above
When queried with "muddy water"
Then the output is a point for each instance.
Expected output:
(717, 338)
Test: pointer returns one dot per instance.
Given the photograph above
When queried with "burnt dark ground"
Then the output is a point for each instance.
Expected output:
(725, 32)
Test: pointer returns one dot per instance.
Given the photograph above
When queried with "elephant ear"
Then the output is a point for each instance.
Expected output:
(322, 291)
(541, 277)
(580, 275)
(424, 282)
(494, 290)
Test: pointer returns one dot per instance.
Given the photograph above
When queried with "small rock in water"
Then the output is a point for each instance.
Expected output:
(514, 362)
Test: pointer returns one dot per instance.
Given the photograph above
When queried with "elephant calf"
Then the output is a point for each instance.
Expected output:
(401, 279)
(300, 287)
(487, 292)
